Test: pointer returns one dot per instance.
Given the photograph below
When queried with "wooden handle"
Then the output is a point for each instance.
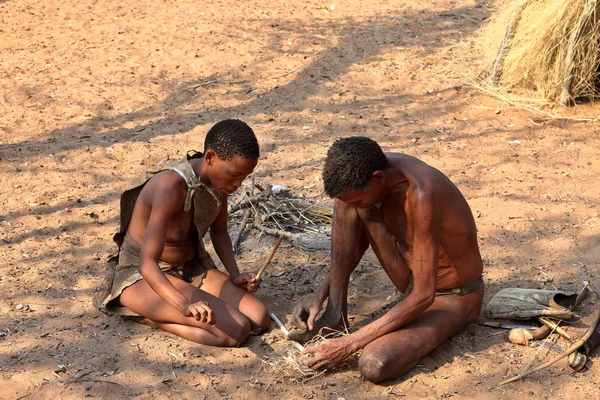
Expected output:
(270, 258)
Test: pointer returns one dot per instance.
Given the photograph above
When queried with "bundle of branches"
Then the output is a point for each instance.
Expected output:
(544, 50)
(278, 212)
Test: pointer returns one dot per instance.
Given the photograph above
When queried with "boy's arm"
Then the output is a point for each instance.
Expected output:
(224, 249)
(222, 241)
(165, 203)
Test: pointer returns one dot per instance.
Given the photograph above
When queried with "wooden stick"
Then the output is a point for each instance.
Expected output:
(249, 202)
(581, 295)
(286, 332)
(240, 232)
(556, 328)
(275, 232)
(270, 258)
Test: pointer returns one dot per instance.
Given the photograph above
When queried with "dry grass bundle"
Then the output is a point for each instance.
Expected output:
(278, 213)
(287, 365)
(545, 50)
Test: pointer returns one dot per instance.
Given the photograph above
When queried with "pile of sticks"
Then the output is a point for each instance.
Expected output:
(275, 211)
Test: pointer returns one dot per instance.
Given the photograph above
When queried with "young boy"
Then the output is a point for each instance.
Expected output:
(164, 275)
(422, 231)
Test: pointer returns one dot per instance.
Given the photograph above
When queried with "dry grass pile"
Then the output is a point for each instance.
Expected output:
(288, 363)
(545, 51)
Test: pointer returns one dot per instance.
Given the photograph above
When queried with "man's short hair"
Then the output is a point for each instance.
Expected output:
(350, 164)
(230, 138)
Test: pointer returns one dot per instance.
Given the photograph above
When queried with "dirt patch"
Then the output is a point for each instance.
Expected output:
(93, 94)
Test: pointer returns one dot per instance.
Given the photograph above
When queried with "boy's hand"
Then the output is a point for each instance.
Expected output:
(200, 311)
(247, 281)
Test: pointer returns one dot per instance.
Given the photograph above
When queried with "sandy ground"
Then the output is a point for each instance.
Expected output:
(93, 94)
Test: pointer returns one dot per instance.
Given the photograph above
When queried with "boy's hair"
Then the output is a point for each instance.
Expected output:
(350, 163)
(230, 138)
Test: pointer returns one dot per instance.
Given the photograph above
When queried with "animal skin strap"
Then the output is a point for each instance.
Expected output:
(192, 186)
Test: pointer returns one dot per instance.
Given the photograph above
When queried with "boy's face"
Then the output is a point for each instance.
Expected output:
(226, 176)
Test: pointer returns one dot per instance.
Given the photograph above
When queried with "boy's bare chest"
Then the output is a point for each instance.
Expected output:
(180, 227)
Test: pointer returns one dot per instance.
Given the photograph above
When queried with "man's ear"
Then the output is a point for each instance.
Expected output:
(377, 176)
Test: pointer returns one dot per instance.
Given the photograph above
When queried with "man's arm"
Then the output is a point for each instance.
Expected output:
(424, 265)
(306, 311)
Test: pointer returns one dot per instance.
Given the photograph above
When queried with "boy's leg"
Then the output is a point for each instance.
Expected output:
(396, 353)
(231, 327)
(219, 285)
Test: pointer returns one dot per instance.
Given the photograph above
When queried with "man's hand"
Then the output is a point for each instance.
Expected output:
(247, 281)
(329, 353)
(200, 311)
(306, 312)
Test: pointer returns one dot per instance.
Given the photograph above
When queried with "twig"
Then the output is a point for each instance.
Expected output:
(274, 232)
(240, 232)
(239, 37)
(580, 295)
(264, 267)
(104, 381)
(197, 85)
(249, 202)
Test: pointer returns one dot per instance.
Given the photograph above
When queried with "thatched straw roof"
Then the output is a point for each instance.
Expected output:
(547, 50)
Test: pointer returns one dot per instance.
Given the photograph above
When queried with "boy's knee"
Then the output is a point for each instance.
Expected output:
(241, 333)
(372, 368)
(264, 320)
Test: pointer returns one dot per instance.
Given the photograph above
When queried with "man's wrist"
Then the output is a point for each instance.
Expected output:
(354, 342)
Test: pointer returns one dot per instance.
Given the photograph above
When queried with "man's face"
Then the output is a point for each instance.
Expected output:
(226, 176)
(362, 198)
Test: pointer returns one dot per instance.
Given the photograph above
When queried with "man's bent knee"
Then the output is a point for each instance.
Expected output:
(372, 368)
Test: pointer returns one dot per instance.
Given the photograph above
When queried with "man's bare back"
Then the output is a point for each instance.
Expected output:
(422, 231)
